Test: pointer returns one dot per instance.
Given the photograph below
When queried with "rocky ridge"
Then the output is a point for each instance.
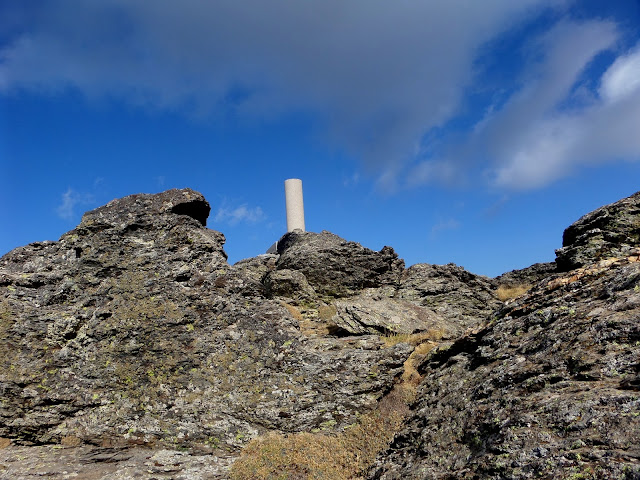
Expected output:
(549, 385)
(611, 230)
(133, 331)
(130, 348)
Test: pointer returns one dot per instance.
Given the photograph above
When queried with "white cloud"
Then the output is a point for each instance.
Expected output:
(69, 201)
(380, 73)
(449, 224)
(622, 79)
(535, 138)
(232, 215)
(434, 171)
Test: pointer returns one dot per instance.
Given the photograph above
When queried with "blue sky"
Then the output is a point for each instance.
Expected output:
(470, 132)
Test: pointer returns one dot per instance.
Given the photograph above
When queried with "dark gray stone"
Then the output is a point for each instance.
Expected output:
(609, 231)
(335, 267)
(366, 314)
(461, 299)
(548, 388)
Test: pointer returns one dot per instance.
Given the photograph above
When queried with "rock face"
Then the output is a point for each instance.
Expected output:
(549, 386)
(371, 292)
(461, 299)
(131, 347)
(527, 276)
(380, 315)
(134, 330)
(335, 267)
(609, 231)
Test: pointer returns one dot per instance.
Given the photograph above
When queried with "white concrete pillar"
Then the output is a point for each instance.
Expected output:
(295, 205)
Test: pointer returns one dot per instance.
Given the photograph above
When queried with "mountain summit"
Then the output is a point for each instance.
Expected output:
(130, 348)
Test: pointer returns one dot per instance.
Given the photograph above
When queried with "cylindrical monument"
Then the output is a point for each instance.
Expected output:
(295, 205)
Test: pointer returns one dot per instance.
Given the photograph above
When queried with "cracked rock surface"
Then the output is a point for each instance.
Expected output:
(609, 231)
(548, 387)
(133, 330)
(130, 348)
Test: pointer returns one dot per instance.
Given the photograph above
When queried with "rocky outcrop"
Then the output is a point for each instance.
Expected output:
(370, 292)
(527, 276)
(609, 231)
(88, 462)
(459, 298)
(134, 330)
(382, 315)
(335, 267)
(131, 347)
(548, 387)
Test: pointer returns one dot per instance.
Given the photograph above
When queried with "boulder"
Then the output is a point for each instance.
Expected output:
(459, 298)
(289, 283)
(335, 267)
(136, 211)
(609, 231)
(371, 292)
(365, 314)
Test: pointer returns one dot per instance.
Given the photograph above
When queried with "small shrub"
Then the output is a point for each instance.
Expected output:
(505, 292)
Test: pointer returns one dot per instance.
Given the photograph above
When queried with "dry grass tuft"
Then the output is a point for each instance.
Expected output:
(298, 456)
(326, 312)
(410, 376)
(343, 456)
(293, 310)
(505, 293)
(319, 456)
(313, 321)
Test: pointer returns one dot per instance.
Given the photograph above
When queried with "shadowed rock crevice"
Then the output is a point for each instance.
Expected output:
(194, 209)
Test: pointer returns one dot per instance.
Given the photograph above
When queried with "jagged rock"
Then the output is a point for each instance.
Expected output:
(459, 298)
(527, 276)
(335, 267)
(256, 268)
(138, 211)
(133, 329)
(88, 462)
(288, 283)
(549, 388)
(383, 316)
(609, 231)
(375, 295)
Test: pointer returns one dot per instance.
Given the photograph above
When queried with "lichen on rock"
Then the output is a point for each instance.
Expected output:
(131, 345)
(133, 329)
(549, 386)
(609, 231)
